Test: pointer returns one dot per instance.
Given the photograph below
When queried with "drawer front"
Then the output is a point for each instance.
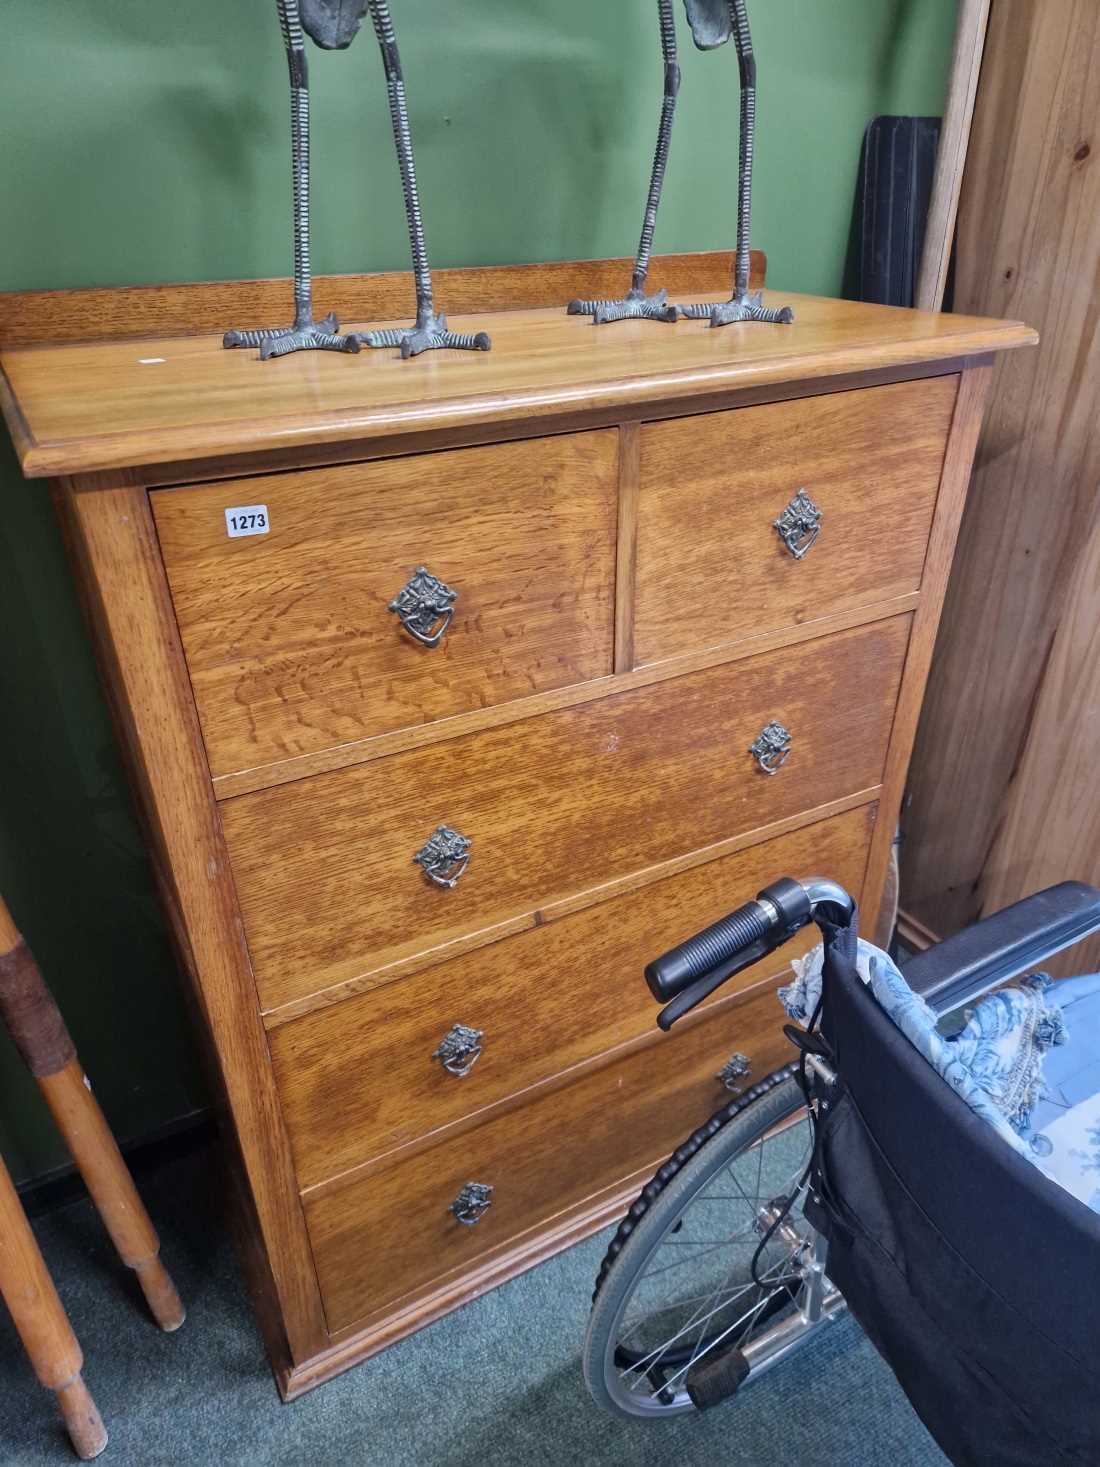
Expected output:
(390, 1233)
(360, 1078)
(555, 806)
(289, 636)
(711, 565)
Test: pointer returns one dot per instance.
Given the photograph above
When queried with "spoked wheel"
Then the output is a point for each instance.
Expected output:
(679, 1320)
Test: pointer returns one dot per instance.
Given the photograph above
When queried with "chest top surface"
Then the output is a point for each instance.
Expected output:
(123, 404)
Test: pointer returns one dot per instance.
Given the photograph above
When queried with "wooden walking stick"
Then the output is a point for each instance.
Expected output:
(36, 1025)
(43, 1325)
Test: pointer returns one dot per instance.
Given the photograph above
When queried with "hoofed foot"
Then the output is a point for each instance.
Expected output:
(743, 308)
(430, 334)
(634, 306)
(280, 341)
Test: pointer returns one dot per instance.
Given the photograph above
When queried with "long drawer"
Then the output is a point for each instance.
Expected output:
(363, 1077)
(326, 868)
(712, 565)
(381, 1238)
(291, 636)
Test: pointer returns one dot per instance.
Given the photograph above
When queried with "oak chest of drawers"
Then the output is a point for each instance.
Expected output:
(455, 690)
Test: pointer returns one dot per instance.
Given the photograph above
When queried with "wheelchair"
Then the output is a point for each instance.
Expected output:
(859, 1178)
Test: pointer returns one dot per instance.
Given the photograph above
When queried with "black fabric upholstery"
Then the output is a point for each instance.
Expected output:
(976, 1277)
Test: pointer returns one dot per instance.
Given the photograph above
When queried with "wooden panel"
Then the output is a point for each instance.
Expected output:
(28, 317)
(1050, 827)
(112, 532)
(178, 400)
(1029, 241)
(711, 565)
(289, 639)
(379, 1239)
(546, 1000)
(554, 806)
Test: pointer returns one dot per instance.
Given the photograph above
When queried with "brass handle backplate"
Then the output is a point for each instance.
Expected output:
(472, 1203)
(444, 857)
(459, 1050)
(799, 525)
(425, 607)
(771, 747)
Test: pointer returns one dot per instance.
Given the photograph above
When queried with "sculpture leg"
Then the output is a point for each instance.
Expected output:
(430, 332)
(636, 305)
(305, 334)
(743, 305)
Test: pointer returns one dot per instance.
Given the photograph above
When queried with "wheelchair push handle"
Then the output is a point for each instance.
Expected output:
(682, 977)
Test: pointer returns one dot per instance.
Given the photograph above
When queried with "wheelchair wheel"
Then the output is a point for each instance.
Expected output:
(678, 1320)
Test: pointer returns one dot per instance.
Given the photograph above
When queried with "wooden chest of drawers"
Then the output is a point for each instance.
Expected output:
(620, 619)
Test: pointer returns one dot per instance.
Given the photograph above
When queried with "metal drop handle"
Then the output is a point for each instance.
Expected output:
(472, 1203)
(771, 747)
(425, 607)
(444, 857)
(799, 525)
(736, 1069)
(459, 1050)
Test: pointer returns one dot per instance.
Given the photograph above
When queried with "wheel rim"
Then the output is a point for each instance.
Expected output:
(694, 1296)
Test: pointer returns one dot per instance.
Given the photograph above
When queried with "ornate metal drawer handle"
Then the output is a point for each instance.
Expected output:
(425, 607)
(734, 1071)
(444, 857)
(472, 1203)
(460, 1050)
(771, 747)
(799, 525)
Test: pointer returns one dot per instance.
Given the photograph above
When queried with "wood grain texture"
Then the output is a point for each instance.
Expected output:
(324, 868)
(965, 426)
(1050, 826)
(138, 641)
(711, 565)
(1029, 240)
(626, 544)
(163, 399)
(361, 751)
(33, 317)
(290, 642)
(546, 1001)
(378, 1240)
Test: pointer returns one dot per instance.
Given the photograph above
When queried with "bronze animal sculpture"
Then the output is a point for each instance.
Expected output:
(713, 23)
(333, 25)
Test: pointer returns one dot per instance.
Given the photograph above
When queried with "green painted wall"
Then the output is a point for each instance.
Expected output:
(147, 142)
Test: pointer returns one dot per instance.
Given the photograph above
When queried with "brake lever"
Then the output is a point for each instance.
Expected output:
(703, 987)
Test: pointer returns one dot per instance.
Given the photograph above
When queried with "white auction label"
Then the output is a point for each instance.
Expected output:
(246, 519)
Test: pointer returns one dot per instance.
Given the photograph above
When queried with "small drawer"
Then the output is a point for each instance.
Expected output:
(316, 631)
(553, 806)
(365, 1076)
(380, 1238)
(712, 566)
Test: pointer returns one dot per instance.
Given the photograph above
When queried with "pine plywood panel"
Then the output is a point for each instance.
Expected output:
(1029, 242)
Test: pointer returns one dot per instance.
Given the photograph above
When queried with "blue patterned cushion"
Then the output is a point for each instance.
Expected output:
(995, 1062)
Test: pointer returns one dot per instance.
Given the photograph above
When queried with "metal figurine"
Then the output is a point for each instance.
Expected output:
(430, 332)
(333, 25)
(713, 22)
(332, 30)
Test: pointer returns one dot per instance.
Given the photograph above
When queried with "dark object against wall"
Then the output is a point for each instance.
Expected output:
(896, 172)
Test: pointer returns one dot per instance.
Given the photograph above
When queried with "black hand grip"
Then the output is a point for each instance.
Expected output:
(671, 973)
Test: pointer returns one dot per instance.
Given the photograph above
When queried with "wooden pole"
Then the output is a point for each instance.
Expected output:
(36, 1025)
(42, 1324)
(962, 88)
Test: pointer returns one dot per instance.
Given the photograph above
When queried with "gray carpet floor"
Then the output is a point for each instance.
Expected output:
(495, 1384)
